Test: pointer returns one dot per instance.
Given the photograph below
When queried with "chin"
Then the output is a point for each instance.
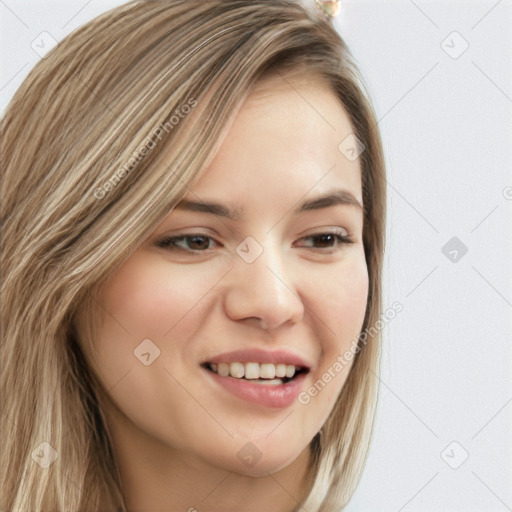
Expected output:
(253, 462)
(263, 468)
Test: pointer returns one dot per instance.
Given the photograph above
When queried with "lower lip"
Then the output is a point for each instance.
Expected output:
(279, 396)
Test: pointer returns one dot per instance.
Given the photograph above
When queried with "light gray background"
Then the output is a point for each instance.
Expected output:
(446, 119)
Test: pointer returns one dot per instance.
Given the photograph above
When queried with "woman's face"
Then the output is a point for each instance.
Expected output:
(260, 285)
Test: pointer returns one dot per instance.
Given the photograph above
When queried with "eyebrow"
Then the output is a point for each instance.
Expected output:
(332, 198)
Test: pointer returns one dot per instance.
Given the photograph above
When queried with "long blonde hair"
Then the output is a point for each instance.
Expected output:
(81, 189)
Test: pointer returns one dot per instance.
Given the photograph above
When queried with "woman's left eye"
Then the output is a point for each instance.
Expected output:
(331, 240)
(201, 243)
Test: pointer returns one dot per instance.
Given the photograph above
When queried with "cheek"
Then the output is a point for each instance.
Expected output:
(148, 297)
(340, 301)
(144, 299)
(350, 306)
(340, 309)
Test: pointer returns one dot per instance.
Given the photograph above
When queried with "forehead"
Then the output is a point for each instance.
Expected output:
(281, 151)
(307, 92)
(287, 125)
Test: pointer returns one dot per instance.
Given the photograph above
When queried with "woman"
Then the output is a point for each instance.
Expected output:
(193, 206)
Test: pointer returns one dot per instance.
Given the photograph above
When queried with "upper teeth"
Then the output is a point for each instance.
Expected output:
(255, 370)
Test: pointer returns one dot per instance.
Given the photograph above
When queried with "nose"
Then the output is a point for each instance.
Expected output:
(263, 290)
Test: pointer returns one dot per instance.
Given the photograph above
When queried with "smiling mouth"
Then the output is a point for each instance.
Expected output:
(258, 373)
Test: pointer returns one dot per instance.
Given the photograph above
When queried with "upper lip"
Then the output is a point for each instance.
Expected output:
(259, 356)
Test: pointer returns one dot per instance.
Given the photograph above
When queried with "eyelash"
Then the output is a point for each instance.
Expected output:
(170, 242)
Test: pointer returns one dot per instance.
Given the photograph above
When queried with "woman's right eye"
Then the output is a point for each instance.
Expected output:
(187, 242)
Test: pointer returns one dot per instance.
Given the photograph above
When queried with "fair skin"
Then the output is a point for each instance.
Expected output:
(176, 432)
